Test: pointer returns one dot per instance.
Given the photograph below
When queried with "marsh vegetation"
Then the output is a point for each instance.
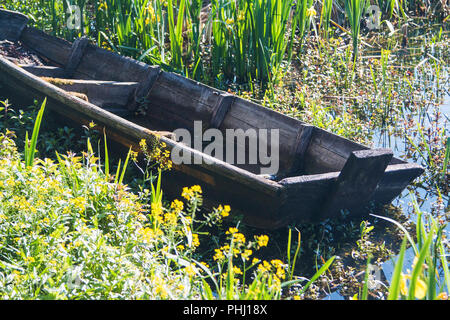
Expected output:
(380, 79)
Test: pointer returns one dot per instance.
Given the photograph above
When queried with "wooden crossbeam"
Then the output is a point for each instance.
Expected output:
(78, 48)
(304, 135)
(223, 105)
(145, 86)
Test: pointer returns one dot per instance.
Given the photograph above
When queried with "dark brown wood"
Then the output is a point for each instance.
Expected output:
(176, 102)
(223, 105)
(395, 179)
(304, 195)
(304, 135)
(145, 86)
(11, 25)
(244, 114)
(101, 64)
(136, 132)
(329, 152)
(357, 181)
(78, 48)
(56, 50)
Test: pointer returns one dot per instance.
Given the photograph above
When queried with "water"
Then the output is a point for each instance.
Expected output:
(398, 146)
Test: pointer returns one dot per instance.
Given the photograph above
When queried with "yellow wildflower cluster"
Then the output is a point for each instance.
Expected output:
(151, 16)
(79, 204)
(262, 240)
(103, 5)
(224, 211)
(275, 267)
(192, 192)
(158, 153)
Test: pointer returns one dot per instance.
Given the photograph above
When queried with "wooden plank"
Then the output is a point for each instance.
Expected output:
(357, 181)
(247, 115)
(76, 55)
(105, 94)
(44, 71)
(101, 64)
(56, 50)
(329, 152)
(220, 111)
(304, 135)
(11, 25)
(145, 86)
(396, 178)
(177, 102)
(305, 195)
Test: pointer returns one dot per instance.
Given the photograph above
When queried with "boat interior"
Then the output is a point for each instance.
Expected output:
(170, 101)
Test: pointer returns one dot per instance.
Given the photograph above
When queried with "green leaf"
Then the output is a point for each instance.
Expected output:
(394, 289)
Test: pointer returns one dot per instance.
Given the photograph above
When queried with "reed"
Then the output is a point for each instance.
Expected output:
(250, 38)
(325, 17)
(30, 145)
(354, 10)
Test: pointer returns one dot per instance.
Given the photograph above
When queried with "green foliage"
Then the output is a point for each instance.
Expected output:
(30, 145)
(354, 10)
(423, 281)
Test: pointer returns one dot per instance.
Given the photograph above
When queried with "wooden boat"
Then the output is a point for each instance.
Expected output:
(320, 173)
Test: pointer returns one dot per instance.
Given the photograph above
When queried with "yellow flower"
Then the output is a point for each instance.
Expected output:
(421, 289)
(187, 193)
(442, 296)
(239, 238)
(403, 284)
(224, 211)
(262, 240)
(246, 254)
(311, 12)
(232, 230)
(237, 270)
(177, 205)
(190, 270)
(29, 260)
(219, 255)
(241, 16)
(143, 144)
(195, 241)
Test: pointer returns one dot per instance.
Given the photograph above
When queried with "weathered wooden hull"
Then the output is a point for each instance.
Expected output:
(320, 173)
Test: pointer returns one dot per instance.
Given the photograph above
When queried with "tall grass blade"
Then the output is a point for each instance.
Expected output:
(420, 264)
(323, 269)
(106, 156)
(394, 289)
(30, 148)
(125, 165)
